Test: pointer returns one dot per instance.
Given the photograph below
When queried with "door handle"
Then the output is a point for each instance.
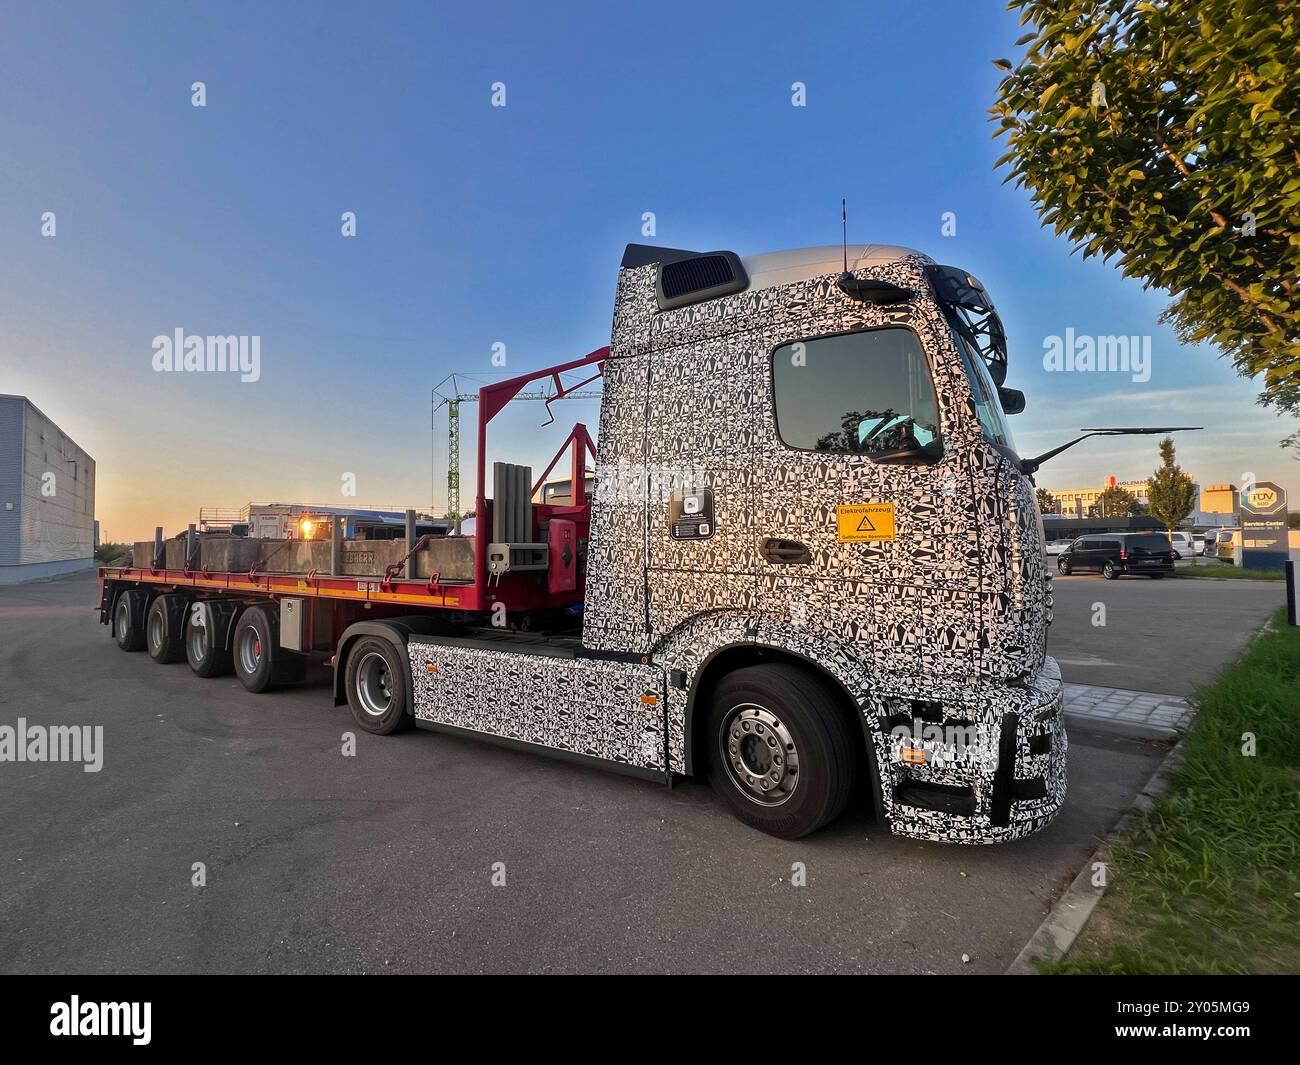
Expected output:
(786, 552)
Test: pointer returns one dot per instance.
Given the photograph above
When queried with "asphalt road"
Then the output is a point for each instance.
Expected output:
(1169, 636)
(382, 862)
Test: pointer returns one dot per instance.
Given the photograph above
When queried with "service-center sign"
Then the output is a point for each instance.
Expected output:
(1263, 527)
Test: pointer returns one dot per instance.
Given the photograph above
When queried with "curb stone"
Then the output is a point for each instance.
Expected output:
(1068, 916)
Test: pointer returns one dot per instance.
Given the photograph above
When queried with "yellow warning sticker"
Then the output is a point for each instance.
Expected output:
(866, 521)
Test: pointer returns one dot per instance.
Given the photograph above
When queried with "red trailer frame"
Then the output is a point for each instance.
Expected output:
(516, 591)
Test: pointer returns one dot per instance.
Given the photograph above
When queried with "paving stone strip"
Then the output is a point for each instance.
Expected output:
(1143, 715)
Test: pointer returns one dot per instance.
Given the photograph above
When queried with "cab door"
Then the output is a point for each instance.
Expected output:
(865, 516)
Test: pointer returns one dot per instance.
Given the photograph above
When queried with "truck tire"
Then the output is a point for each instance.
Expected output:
(781, 753)
(377, 686)
(254, 649)
(208, 657)
(127, 631)
(164, 628)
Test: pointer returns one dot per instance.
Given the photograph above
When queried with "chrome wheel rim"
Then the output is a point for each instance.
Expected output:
(374, 685)
(250, 650)
(759, 753)
(198, 642)
(155, 629)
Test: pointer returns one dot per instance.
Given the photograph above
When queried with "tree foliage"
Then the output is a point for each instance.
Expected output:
(1168, 135)
(1046, 501)
(1117, 502)
(1173, 494)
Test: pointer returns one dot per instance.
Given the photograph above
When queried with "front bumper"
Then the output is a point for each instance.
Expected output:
(1004, 779)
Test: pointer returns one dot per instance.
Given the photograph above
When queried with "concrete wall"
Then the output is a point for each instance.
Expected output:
(47, 493)
(452, 558)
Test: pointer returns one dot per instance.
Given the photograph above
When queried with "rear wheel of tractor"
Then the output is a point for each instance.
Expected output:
(1063, 566)
(164, 629)
(254, 649)
(782, 754)
(1109, 571)
(378, 692)
(204, 650)
(128, 635)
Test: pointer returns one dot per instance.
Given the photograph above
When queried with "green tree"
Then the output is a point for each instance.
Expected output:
(1172, 495)
(1168, 135)
(1117, 502)
(1046, 503)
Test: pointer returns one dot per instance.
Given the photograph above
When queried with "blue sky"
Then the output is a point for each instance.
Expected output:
(479, 225)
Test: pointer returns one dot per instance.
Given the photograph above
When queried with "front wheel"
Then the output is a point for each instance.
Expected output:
(1063, 566)
(1109, 571)
(781, 752)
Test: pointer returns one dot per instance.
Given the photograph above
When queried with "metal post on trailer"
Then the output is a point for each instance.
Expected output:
(410, 543)
(158, 559)
(191, 545)
(336, 545)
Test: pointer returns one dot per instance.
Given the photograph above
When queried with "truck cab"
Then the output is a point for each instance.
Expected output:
(804, 462)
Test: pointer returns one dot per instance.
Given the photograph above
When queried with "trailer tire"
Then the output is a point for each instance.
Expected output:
(208, 657)
(253, 650)
(376, 685)
(783, 727)
(164, 628)
(127, 631)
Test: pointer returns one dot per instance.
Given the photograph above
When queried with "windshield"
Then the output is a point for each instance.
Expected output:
(987, 407)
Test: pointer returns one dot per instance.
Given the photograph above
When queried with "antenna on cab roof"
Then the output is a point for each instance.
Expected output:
(844, 223)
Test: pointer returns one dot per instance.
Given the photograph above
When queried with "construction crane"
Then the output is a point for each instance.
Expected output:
(447, 394)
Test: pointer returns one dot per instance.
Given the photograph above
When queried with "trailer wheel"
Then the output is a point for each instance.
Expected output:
(128, 635)
(164, 628)
(206, 655)
(781, 753)
(254, 650)
(377, 687)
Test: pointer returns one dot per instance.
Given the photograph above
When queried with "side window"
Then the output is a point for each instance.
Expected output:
(868, 393)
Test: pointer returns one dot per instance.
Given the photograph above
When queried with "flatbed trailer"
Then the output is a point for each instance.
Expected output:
(811, 558)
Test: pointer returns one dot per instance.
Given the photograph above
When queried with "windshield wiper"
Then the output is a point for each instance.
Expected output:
(1030, 466)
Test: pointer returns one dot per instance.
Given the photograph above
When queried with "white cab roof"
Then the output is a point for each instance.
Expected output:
(799, 264)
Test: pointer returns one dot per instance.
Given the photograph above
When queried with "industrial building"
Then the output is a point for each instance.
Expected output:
(47, 496)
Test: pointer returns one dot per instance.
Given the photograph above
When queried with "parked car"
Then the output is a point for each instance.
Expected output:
(1055, 547)
(1138, 554)
(1227, 542)
(1182, 544)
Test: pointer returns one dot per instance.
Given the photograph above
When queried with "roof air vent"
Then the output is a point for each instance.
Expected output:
(698, 278)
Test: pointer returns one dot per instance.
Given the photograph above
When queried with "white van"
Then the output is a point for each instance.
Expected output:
(1182, 544)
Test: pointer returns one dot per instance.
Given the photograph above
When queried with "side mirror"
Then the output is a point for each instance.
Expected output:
(1013, 400)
